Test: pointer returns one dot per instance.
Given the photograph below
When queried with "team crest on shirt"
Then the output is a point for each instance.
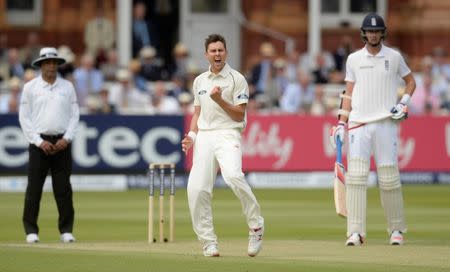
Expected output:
(386, 65)
(202, 92)
(242, 96)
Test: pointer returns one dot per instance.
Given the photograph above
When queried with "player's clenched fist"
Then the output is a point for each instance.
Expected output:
(216, 93)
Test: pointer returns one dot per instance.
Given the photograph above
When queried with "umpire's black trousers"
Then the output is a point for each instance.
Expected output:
(60, 166)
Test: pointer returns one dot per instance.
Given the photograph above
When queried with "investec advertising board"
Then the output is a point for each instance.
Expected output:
(271, 143)
(104, 143)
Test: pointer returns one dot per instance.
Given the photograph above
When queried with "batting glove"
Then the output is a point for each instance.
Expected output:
(399, 112)
(337, 131)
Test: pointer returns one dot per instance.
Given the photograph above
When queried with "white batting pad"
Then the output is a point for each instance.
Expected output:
(392, 202)
(388, 177)
(356, 186)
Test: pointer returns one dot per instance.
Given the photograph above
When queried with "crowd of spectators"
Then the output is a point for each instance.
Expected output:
(296, 83)
(310, 85)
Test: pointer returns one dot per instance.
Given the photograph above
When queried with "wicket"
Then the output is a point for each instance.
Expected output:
(153, 167)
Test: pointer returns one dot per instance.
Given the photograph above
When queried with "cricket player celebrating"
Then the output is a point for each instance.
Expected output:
(370, 107)
(221, 95)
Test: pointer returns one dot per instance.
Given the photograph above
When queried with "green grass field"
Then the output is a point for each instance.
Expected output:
(302, 234)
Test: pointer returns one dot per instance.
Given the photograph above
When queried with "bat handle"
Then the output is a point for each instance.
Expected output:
(338, 150)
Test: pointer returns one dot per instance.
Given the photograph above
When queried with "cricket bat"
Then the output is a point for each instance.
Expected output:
(339, 182)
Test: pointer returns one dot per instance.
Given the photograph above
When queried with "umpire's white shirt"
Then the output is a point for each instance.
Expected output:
(49, 109)
(376, 79)
(234, 90)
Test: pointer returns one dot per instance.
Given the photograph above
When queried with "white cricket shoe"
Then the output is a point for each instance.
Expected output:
(255, 240)
(67, 237)
(396, 238)
(32, 238)
(354, 240)
(211, 250)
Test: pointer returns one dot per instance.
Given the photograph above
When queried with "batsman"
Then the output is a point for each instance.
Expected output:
(371, 114)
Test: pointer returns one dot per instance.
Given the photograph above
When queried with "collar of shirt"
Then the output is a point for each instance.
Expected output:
(380, 54)
(44, 84)
(223, 73)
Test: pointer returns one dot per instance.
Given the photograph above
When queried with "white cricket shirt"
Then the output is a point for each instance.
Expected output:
(234, 90)
(49, 109)
(376, 79)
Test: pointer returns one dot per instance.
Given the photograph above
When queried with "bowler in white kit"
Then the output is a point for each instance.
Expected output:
(369, 105)
(221, 95)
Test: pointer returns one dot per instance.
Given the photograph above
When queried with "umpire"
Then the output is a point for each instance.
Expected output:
(48, 116)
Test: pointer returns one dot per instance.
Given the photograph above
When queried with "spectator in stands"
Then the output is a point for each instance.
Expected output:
(192, 72)
(178, 86)
(99, 34)
(441, 65)
(186, 103)
(111, 66)
(261, 73)
(180, 60)
(275, 87)
(125, 97)
(30, 51)
(28, 75)
(280, 80)
(105, 106)
(10, 101)
(14, 66)
(298, 96)
(140, 82)
(429, 90)
(424, 101)
(161, 102)
(88, 79)
(142, 31)
(309, 63)
(100, 104)
(292, 65)
(67, 69)
(318, 106)
(340, 55)
(150, 69)
(322, 72)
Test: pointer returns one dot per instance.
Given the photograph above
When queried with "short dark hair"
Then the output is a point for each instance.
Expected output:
(212, 38)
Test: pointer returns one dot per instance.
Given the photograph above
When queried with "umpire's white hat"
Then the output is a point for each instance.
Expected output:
(48, 53)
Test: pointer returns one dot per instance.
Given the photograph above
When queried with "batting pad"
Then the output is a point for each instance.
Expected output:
(388, 177)
(356, 196)
(392, 202)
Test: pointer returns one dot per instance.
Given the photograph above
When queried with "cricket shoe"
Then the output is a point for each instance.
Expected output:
(211, 250)
(67, 237)
(396, 238)
(354, 240)
(255, 240)
(32, 238)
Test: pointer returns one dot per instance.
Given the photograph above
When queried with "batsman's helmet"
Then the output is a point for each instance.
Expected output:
(372, 21)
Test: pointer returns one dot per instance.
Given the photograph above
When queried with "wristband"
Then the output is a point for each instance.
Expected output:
(405, 99)
(192, 135)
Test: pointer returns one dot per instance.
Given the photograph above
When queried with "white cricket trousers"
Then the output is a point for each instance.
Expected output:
(214, 149)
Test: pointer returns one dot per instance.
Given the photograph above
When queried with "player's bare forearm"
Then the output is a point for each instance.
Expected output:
(237, 113)
(410, 84)
(347, 103)
(189, 138)
(193, 126)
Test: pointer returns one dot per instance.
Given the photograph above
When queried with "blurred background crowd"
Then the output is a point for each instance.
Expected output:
(158, 79)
